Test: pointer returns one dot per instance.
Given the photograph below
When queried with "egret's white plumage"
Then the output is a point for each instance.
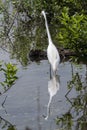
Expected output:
(52, 52)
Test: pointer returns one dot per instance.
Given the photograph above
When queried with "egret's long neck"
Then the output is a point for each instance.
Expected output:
(48, 32)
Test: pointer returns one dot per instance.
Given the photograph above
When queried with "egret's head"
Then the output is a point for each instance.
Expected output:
(43, 12)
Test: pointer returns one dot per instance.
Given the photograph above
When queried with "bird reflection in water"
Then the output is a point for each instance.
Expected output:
(53, 87)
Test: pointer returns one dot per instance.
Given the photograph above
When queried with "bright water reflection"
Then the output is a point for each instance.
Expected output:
(53, 87)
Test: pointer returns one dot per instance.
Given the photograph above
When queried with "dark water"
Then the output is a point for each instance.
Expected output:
(26, 102)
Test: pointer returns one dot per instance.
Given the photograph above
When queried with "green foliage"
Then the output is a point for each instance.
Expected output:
(75, 82)
(65, 120)
(9, 71)
(67, 21)
(5, 124)
(73, 31)
(11, 128)
(21, 49)
(76, 115)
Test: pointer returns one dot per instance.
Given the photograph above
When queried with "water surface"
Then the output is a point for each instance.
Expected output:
(27, 100)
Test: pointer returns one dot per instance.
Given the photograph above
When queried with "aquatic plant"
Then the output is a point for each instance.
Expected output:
(10, 77)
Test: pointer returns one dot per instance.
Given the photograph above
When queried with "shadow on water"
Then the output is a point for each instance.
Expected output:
(4, 124)
(76, 116)
(8, 126)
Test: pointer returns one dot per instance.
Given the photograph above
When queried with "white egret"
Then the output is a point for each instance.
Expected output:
(52, 52)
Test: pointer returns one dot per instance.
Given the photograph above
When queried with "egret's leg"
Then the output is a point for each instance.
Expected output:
(48, 108)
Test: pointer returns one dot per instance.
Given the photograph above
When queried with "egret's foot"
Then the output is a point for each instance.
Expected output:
(45, 117)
